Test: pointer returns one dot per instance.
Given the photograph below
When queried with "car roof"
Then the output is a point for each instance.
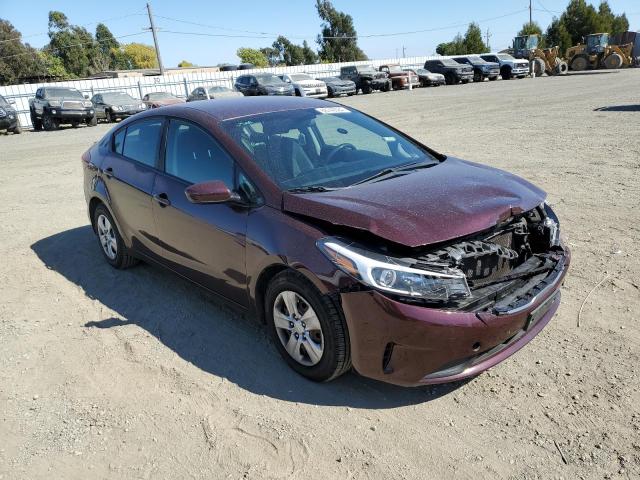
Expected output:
(227, 108)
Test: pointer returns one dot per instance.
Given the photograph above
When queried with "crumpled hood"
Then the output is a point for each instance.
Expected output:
(444, 202)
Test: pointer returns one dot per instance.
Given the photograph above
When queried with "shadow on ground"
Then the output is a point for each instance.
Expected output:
(618, 108)
(204, 331)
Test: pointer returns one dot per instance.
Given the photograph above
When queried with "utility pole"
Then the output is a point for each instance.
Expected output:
(488, 37)
(155, 38)
(404, 50)
(530, 13)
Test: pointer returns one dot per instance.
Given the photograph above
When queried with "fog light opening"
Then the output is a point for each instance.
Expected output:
(386, 358)
(476, 347)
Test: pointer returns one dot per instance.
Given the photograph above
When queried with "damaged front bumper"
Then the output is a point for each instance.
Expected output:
(409, 344)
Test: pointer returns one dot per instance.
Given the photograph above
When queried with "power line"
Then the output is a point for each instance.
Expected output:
(64, 47)
(83, 25)
(267, 35)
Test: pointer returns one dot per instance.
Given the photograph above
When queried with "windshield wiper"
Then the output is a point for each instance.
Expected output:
(395, 171)
(310, 188)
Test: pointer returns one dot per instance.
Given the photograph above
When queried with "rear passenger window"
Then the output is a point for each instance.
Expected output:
(118, 141)
(142, 140)
(194, 156)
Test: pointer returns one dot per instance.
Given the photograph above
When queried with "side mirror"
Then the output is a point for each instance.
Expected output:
(210, 192)
(86, 96)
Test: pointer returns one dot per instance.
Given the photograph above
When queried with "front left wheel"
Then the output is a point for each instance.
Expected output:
(307, 327)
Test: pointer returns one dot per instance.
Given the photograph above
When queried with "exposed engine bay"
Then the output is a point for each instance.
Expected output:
(504, 266)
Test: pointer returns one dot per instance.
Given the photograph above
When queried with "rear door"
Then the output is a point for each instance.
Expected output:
(129, 172)
(204, 242)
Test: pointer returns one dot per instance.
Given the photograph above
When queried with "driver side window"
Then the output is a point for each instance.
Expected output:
(335, 131)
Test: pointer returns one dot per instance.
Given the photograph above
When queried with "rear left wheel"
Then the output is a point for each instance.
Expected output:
(113, 248)
(307, 328)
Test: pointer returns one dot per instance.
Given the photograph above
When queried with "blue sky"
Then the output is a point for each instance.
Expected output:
(295, 19)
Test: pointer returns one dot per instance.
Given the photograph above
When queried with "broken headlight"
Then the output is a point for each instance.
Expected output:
(551, 225)
(395, 275)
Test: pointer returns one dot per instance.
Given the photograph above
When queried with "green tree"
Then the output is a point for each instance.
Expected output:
(558, 36)
(272, 55)
(471, 43)
(74, 45)
(532, 28)
(185, 64)
(609, 22)
(289, 53)
(17, 60)
(580, 19)
(251, 55)
(337, 41)
(310, 57)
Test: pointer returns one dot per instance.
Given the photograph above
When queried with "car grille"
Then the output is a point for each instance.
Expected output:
(129, 107)
(72, 105)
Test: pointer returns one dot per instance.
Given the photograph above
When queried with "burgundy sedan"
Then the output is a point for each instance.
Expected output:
(355, 244)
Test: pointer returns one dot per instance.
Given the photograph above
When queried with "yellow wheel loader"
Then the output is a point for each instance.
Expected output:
(541, 60)
(596, 52)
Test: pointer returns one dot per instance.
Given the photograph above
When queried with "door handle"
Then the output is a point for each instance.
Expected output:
(108, 172)
(162, 199)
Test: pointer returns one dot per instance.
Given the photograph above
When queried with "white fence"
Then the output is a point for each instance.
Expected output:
(179, 85)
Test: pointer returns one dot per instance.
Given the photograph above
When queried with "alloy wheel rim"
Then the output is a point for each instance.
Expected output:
(107, 237)
(298, 328)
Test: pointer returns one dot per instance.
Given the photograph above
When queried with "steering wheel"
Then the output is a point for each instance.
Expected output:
(336, 150)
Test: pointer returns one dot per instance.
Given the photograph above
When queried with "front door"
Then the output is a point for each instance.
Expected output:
(204, 242)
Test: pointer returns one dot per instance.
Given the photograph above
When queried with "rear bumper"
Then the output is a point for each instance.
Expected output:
(411, 345)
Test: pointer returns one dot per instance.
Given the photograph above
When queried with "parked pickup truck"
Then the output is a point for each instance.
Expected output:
(509, 66)
(453, 72)
(400, 78)
(481, 68)
(366, 78)
(55, 105)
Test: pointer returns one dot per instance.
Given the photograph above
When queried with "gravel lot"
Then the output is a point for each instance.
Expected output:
(138, 374)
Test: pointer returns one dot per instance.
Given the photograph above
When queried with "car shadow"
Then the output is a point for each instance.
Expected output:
(592, 72)
(205, 331)
(618, 108)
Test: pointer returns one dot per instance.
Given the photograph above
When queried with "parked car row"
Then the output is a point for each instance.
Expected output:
(55, 105)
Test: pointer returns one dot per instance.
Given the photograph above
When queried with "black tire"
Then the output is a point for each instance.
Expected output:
(336, 357)
(124, 258)
(493, 79)
(505, 73)
(450, 79)
(579, 63)
(35, 121)
(49, 123)
(17, 130)
(298, 94)
(75, 123)
(478, 76)
(108, 116)
(464, 81)
(388, 86)
(366, 89)
(93, 121)
(330, 92)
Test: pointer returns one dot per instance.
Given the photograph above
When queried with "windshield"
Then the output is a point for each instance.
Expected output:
(395, 69)
(504, 56)
(269, 80)
(331, 147)
(597, 40)
(366, 69)
(160, 96)
(476, 60)
(449, 62)
(297, 77)
(117, 97)
(52, 93)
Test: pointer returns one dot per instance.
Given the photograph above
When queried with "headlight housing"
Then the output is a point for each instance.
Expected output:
(3, 113)
(54, 103)
(87, 104)
(117, 108)
(142, 106)
(552, 224)
(395, 275)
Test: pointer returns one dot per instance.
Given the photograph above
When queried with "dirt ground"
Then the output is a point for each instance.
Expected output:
(138, 374)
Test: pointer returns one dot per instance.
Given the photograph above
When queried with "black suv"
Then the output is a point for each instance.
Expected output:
(8, 116)
(55, 105)
(263, 84)
(366, 78)
(481, 68)
(453, 72)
